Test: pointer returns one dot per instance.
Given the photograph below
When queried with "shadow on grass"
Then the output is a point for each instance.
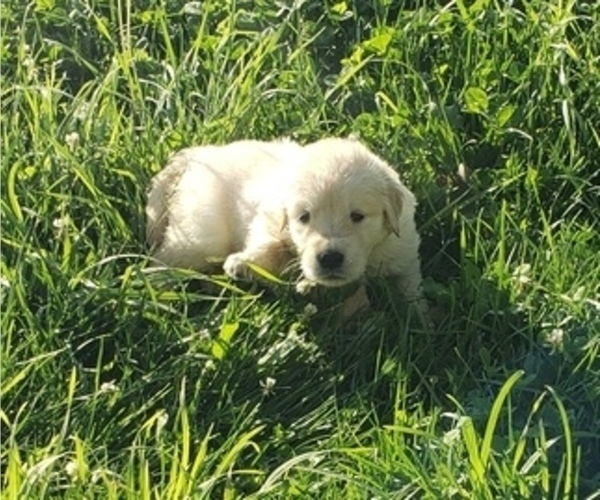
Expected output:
(307, 376)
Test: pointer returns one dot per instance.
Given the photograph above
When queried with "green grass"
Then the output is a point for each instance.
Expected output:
(123, 381)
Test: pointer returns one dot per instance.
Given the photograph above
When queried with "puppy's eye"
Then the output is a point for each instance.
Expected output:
(304, 217)
(356, 216)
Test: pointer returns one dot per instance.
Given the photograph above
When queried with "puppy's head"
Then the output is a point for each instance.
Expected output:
(344, 202)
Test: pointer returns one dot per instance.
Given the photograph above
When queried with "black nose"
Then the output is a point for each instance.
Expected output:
(330, 259)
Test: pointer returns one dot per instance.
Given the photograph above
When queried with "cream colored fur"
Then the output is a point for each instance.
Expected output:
(333, 206)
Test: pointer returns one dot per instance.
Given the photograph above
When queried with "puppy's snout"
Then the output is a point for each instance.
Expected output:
(330, 259)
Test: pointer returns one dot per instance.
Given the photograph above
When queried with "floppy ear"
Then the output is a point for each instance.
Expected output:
(393, 206)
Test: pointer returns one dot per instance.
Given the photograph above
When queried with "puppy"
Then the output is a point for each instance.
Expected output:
(332, 206)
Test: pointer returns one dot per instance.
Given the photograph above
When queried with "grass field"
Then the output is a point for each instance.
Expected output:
(120, 380)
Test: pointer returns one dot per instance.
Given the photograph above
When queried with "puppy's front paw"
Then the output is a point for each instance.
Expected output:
(304, 287)
(235, 266)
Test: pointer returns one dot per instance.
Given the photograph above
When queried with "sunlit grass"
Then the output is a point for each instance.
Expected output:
(124, 380)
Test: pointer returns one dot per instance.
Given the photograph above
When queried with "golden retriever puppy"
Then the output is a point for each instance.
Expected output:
(333, 207)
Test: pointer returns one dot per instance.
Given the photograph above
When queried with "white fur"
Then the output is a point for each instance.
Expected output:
(248, 202)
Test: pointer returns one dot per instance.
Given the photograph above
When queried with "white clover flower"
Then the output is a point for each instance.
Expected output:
(72, 140)
(59, 224)
(310, 310)
(193, 8)
(108, 387)
(71, 469)
(452, 436)
(267, 386)
(82, 111)
(522, 274)
(556, 338)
